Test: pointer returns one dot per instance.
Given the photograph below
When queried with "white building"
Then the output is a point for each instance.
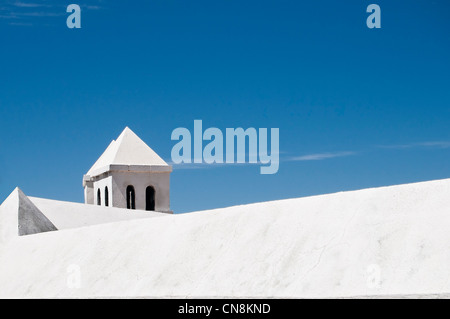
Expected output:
(388, 242)
(129, 174)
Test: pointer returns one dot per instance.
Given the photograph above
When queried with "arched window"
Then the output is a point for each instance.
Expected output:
(99, 197)
(106, 196)
(150, 198)
(131, 198)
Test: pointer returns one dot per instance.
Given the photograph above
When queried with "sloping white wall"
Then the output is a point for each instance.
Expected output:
(385, 241)
(65, 215)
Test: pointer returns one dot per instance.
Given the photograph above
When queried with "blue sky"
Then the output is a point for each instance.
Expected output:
(356, 107)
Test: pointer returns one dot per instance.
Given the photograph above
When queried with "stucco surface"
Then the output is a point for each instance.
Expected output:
(322, 246)
(66, 215)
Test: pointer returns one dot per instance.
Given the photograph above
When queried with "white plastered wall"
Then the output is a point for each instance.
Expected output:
(100, 185)
(89, 193)
(160, 181)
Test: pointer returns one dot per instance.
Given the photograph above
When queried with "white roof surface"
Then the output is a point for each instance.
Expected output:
(128, 149)
(383, 242)
(23, 215)
(66, 215)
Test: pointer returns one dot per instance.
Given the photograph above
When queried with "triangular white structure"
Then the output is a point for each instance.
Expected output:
(129, 174)
(128, 150)
(19, 217)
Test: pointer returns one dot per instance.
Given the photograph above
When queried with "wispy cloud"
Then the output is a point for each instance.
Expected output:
(190, 166)
(26, 13)
(204, 165)
(24, 24)
(89, 7)
(29, 5)
(321, 156)
(309, 157)
(432, 144)
(7, 16)
(38, 14)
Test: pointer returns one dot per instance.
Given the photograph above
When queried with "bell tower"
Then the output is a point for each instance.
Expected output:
(129, 174)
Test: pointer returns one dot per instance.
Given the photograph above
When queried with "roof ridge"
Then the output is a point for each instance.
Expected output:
(117, 144)
(128, 149)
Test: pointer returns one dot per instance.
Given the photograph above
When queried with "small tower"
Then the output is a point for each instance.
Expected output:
(129, 174)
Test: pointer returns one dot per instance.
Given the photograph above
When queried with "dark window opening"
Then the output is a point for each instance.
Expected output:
(150, 198)
(131, 201)
(99, 197)
(106, 197)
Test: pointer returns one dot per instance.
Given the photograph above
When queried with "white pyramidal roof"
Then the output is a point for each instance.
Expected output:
(21, 215)
(128, 150)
